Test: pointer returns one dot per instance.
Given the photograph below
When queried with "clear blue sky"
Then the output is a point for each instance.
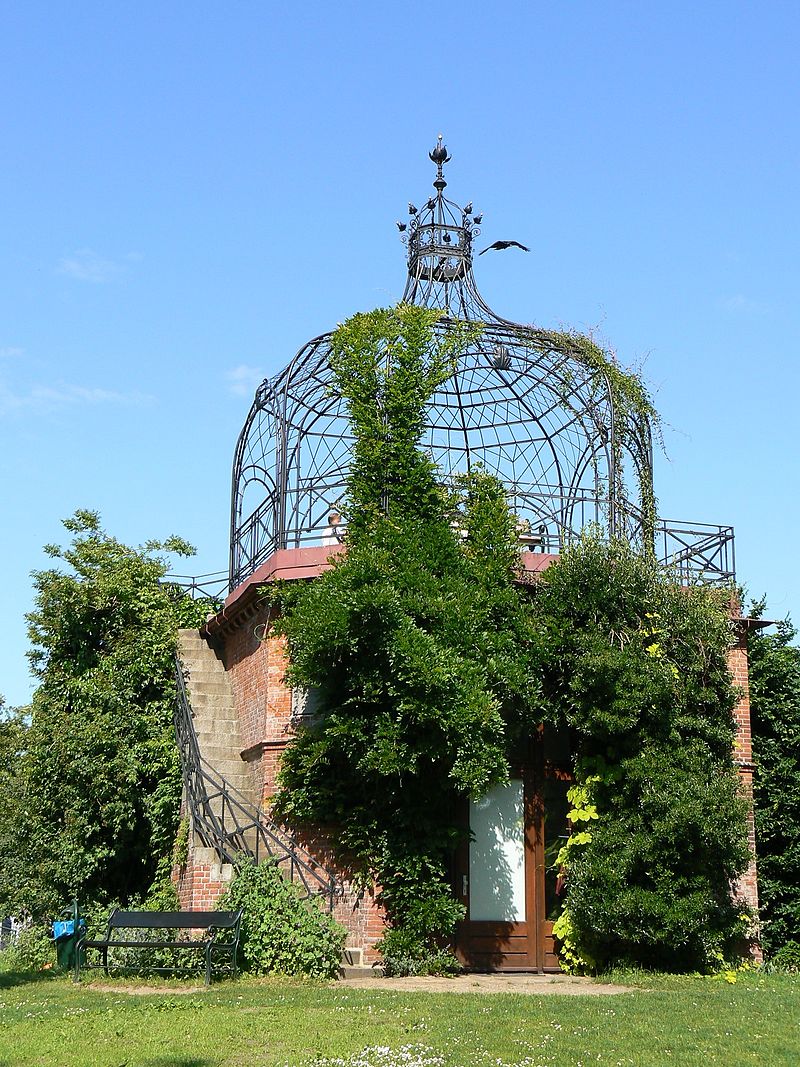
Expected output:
(190, 191)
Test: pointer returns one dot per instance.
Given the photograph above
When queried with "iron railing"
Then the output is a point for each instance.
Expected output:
(229, 823)
(212, 586)
(697, 551)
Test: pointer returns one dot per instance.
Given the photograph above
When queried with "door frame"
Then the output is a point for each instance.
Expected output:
(483, 945)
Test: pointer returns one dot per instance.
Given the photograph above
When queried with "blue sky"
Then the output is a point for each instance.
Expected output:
(192, 191)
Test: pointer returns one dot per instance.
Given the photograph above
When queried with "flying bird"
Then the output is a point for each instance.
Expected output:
(500, 245)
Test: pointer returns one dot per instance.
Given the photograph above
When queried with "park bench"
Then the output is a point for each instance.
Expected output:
(121, 924)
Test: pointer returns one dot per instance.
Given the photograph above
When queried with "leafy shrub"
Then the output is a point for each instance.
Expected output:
(775, 713)
(636, 666)
(32, 951)
(404, 954)
(787, 958)
(280, 932)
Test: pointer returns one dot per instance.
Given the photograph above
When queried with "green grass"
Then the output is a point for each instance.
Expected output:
(664, 1020)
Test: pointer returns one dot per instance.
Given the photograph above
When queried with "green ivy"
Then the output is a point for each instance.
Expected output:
(280, 932)
(416, 640)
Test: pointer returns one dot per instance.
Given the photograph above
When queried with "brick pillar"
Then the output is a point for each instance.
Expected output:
(747, 886)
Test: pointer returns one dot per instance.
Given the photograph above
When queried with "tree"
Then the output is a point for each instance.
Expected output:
(13, 730)
(775, 722)
(99, 781)
(636, 666)
(414, 640)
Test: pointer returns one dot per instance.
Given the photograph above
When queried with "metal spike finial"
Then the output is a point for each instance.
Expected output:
(439, 154)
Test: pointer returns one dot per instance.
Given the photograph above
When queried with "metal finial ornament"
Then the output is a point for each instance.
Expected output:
(439, 154)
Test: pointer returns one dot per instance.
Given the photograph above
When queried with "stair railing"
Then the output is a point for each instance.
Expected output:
(228, 822)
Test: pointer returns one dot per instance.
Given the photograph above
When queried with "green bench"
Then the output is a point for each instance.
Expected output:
(221, 940)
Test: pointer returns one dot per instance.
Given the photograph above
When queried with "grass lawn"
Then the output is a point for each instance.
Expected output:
(664, 1020)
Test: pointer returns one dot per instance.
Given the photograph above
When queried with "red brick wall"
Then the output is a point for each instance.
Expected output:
(246, 662)
(201, 881)
(747, 886)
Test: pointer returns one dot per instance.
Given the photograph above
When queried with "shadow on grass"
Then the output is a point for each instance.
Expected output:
(9, 979)
(179, 1061)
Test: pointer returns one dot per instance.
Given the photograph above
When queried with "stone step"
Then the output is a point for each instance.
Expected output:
(225, 766)
(219, 733)
(191, 637)
(222, 753)
(201, 673)
(345, 971)
(207, 716)
(211, 687)
(205, 719)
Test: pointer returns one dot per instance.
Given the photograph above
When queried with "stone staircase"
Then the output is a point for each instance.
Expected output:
(215, 720)
(211, 715)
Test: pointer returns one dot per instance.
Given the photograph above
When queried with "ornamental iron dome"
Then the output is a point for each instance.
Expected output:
(521, 402)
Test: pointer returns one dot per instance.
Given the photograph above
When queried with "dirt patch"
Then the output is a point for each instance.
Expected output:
(538, 984)
(145, 990)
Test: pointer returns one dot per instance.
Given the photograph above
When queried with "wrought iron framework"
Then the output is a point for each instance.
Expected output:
(226, 821)
(521, 402)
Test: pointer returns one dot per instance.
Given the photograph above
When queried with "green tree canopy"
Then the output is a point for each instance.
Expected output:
(775, 720)
(636, 665)
(99, 781)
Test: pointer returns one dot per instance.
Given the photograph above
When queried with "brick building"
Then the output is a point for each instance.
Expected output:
(532, 409)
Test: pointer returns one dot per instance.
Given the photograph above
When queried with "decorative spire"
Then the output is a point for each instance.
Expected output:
(439, 156)
(439, 239)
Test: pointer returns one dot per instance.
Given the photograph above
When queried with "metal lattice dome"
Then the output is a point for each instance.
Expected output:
(524, 402)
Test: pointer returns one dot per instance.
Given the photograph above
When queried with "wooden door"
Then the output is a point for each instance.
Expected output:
(505, 875)
(497, 881)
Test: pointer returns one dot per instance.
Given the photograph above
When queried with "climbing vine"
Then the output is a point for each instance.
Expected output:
(416, 640)
(635, 417)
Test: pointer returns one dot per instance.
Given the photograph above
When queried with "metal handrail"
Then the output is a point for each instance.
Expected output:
(238, 828)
